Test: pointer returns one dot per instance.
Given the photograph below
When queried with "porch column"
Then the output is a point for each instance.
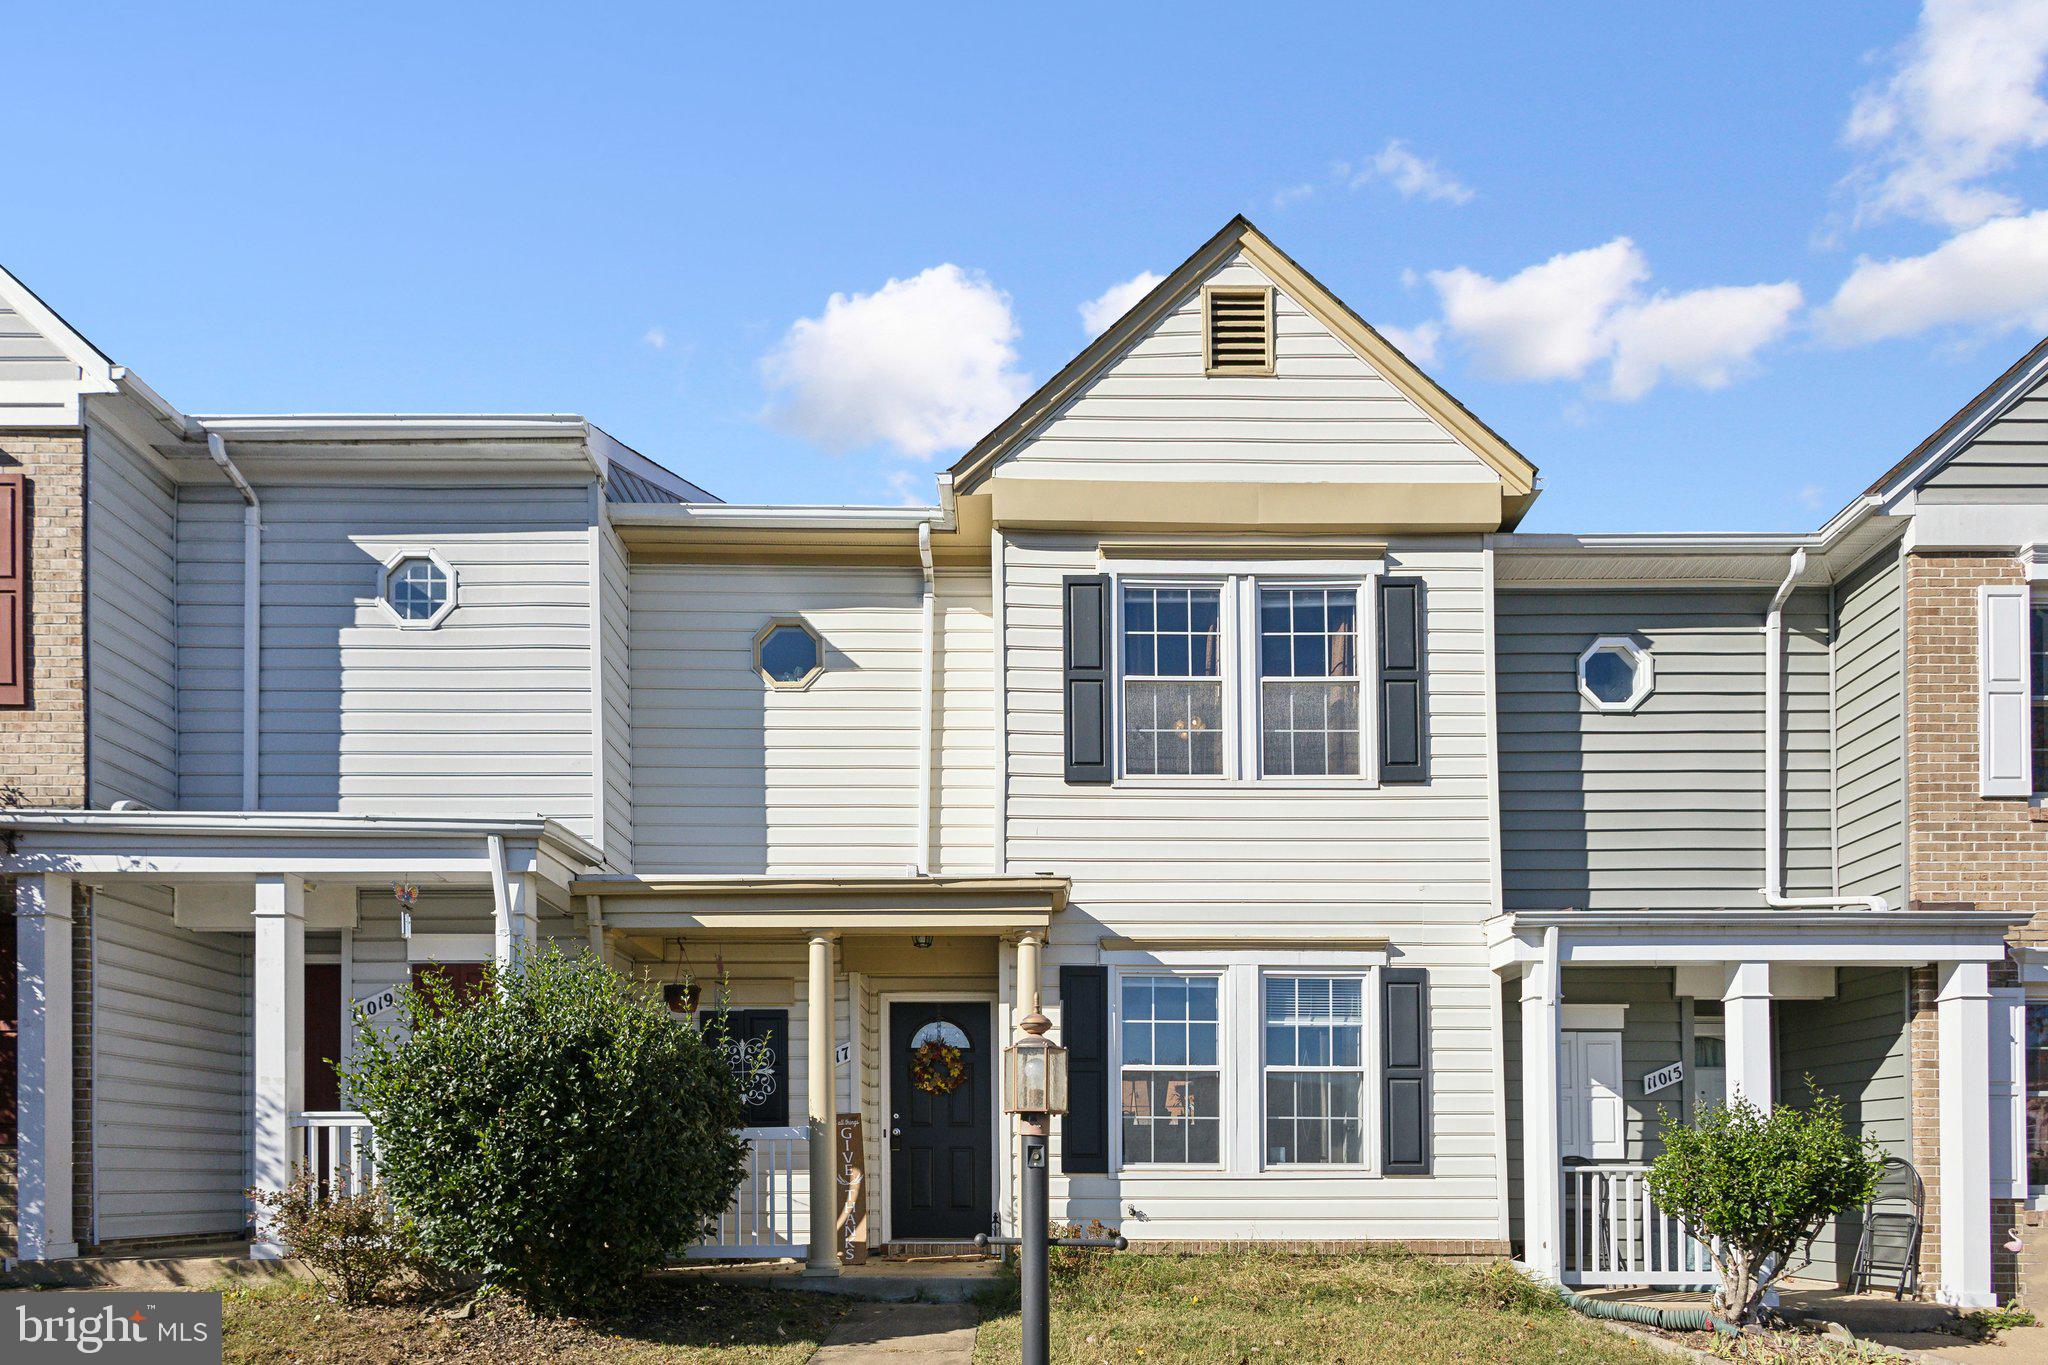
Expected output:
(1963, 1026)
(42, 938)
(280, 1029)
(514, 909)
(824, 1251)
(1542, 1180)
(1748, 1009)
(1028, 949)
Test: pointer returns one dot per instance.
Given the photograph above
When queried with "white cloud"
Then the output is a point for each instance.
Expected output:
(656, 337)
(1112, 303)
(1293, 194)
(1550, 320)
(1811, 497)
(1704, 337)
(1413, 176)
(1418, 343)
(1964, 100)
(1994, 275)
(922, 365)
(1562, 318)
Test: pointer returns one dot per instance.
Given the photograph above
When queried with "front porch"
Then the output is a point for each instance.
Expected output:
(1627, 1021)
(219, 962)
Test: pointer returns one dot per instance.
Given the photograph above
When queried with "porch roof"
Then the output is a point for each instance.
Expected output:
(176, 847)
(1838, 937)
(807, 904)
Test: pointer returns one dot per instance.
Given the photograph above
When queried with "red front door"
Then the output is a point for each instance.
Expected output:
(323, 1035)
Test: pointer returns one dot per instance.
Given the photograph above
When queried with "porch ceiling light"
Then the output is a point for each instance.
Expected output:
(1035, 1071)
(1616, 674)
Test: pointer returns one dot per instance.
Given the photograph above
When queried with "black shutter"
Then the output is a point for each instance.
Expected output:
(1404, 1085)
(766, 1104)
(1086, 621)
(1084, 1029)
(1404, 752)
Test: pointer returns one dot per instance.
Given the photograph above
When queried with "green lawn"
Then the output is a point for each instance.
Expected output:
(1260, 1307)
(673, 1324)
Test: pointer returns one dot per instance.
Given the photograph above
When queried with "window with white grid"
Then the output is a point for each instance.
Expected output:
(1173, 681)
(1315, 1070)
(1171, 1070)
(1308, 682)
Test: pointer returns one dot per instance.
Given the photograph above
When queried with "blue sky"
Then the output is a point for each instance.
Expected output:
(625, 210)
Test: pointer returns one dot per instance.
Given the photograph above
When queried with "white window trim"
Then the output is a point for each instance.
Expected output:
(391, 565)
(1369, 1071)
(1238, 646)
(1646, 674)
(2037, 599)
(1225, 1081)
(2032, 969)
(1241, 1046)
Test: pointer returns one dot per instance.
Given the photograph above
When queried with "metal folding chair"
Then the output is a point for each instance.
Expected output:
(1889, 1250)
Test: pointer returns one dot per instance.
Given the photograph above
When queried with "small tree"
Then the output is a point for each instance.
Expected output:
(560, 1134)
(1759, 1186)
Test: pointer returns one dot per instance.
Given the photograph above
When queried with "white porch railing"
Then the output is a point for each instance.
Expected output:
(338, 1148)
(769, 1216)
(1614, 1233)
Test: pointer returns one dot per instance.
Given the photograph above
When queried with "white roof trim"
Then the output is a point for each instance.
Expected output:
(1989, 408)
(752, 517)
(267, 824)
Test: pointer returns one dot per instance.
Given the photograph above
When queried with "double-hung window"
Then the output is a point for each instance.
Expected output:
(2037, 688)
(1315, 1070)
(1172, 1070)
(1308, 681)
(1244, 677)
(1173, 681)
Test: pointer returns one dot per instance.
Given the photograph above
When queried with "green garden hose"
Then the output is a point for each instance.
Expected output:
(1650, 1315)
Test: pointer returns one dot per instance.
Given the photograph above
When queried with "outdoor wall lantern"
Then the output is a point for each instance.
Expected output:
(1035, 1070)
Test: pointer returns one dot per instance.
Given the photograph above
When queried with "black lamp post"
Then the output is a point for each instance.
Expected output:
(1035, 1082)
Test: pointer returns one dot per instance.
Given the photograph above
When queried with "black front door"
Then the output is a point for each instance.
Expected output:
(941, 1129)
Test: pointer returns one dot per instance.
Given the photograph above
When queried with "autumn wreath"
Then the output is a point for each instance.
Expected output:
(937, 1067)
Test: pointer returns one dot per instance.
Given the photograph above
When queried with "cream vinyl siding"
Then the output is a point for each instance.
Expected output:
(27, 356)
(1324, 414)
(1411, 862)
(171, 1046)
(131, 642)
(490, 714)
(731, 775)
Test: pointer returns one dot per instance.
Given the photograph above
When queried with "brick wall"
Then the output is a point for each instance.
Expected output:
(1963, 850)
(44, 742)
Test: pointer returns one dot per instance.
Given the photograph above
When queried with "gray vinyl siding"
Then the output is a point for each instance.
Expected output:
(616, 718)
(490, 714)
(1410, 862)
(26, 355)
(1854, 1046)
(172, 1064)
(1870, 731)
(131, 540)
(1661, 808)
(2007, 463)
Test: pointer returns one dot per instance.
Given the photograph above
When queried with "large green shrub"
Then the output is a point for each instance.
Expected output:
(1759, 1186)
(559, 1135)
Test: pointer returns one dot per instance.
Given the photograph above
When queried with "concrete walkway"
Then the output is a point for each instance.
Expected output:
(902, 1334)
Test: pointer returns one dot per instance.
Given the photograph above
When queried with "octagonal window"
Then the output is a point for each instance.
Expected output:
(417, 588)
(788, 654)
(1616, 674)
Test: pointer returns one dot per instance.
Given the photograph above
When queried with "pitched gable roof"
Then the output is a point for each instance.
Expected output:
(1516, 472)
(1947, 440)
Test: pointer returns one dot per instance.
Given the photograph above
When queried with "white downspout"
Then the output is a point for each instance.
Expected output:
(252, 622)
(926, 673)
(1774, 761)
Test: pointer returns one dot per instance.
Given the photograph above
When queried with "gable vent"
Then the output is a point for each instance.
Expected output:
(1237, 330)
